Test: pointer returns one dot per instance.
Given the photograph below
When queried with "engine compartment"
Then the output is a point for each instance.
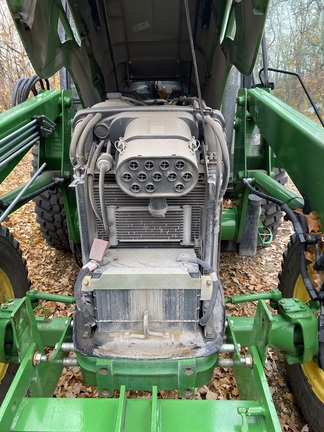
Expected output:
(149, 182)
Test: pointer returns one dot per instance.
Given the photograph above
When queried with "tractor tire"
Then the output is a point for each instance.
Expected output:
(50, 215)
(271, 215)
(307, 380)
(14, 282)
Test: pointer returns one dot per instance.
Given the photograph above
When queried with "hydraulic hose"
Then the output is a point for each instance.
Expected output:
(17, 91)
(216, 144)
(104, 164)
(90, 174)
(217, 287)
(299, 230)
(76, 135)
(220, 139)
(80, 149)
(79, 297)
(284, 207)
(314, 295)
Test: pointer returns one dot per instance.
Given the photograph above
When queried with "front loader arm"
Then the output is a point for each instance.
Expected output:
(45, 121)
(297, 142)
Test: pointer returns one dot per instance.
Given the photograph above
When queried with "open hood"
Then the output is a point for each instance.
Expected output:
(107, 45)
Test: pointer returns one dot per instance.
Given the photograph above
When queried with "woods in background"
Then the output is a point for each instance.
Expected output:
(295, 42)
(14, 62)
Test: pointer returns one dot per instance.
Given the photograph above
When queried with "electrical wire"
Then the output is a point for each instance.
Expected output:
(194, 60)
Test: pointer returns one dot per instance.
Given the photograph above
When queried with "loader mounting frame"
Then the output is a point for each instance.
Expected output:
(29, 404)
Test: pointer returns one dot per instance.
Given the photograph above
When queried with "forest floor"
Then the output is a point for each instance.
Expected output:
(55, 272)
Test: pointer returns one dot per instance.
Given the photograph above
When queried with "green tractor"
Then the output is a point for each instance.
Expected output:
(132, 161)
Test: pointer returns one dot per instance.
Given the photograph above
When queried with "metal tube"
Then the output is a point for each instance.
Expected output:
(42, 181)
(18, 152)
(230, 223)
(273, 188)
(186, 236)
(70, 362)
(228, 348)
(36, 295)
(68, 347)
(102, 198)
(229, 362)
(17, 132)
(12, 205)
(14, 150)
(17, 139)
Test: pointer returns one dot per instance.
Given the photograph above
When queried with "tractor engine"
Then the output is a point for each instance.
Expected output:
(149, 182)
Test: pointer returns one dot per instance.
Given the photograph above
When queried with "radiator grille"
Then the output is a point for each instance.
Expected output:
(134, 223)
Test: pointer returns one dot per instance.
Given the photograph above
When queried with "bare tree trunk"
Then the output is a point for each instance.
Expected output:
(321, 29)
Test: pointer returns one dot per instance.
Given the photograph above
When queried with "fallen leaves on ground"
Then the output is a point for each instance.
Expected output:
(55, 272)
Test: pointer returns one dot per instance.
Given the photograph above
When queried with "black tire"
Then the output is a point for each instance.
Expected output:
(14, 282)
(50, 215)
(271, 215)
(307, 380)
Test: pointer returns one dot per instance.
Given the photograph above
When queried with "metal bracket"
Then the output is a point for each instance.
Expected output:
(146, 331)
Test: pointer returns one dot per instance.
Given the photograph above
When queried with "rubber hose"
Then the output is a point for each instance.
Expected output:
(284, 207)
(80, 149)
(299, 230)
(90, 174)
(75, 137)
(15, 91)
(30, 84)
(221, 141)
(217, 129)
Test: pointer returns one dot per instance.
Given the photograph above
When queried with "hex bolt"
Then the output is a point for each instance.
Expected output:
(105, 392)
(187, 393)
(67, 101)
(188, 371)
(241, 101)
(39, 358)
(249, 360)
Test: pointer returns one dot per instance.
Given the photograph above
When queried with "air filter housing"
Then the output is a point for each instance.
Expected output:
(157, 157)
